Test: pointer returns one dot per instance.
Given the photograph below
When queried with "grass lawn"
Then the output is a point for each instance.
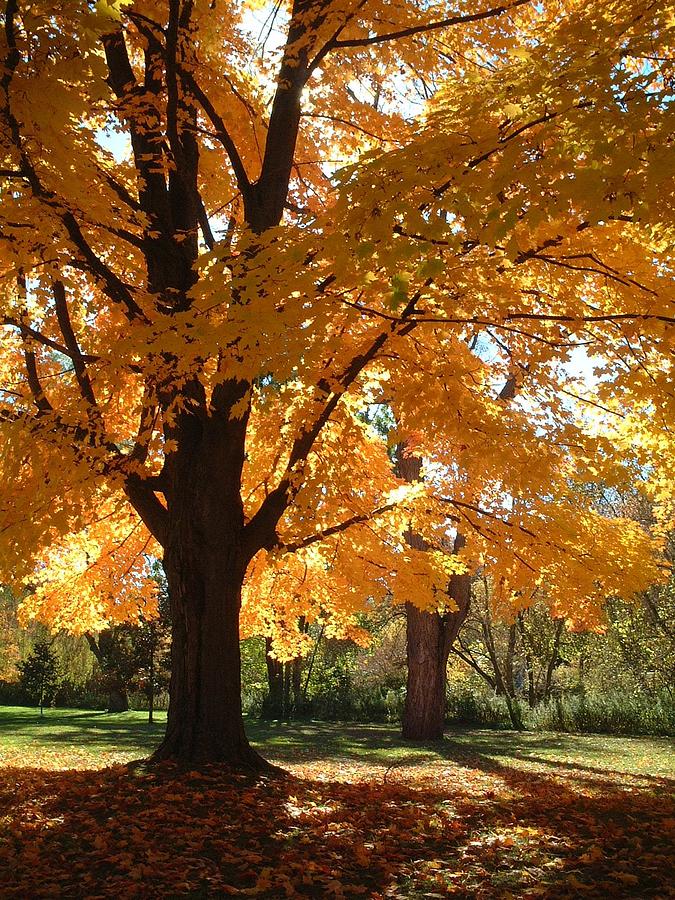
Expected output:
(362, 813)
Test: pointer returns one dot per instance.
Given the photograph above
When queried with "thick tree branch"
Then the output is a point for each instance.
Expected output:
(39, 397)
(205, 226)
(42, 339)
(30, 360)
(146, 141)
(335, 529)
(424, 28)
(71, 342)
(223, 135)
(270, 193)
(466, 656)
(112, 285)
(146, 427)
(13, 56)
(154, 515)
(261, 530)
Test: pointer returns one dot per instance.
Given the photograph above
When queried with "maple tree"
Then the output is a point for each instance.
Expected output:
(216, 255)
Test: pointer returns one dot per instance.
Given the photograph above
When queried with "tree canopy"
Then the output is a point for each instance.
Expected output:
(229, 231)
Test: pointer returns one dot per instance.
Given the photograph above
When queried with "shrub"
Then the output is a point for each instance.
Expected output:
(606, 714)
(477, 710)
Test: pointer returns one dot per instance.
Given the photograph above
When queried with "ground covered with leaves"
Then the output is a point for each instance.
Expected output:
(360, 813)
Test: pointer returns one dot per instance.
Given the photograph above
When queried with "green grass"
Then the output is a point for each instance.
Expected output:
(95, 738)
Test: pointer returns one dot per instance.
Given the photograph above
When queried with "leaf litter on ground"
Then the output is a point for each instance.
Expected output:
(468, 826)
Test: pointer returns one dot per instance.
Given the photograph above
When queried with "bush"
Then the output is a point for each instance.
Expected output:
(606, 714)
(477, 710)
(81, 694)
(13, 694)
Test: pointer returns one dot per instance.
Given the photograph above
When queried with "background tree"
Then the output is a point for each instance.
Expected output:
(134, 655)
(152, 650)
(430, 633)
(40, 674)
(200, 312)
(116, 657)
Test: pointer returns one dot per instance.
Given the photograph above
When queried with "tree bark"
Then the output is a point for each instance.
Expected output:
(151, 686)
(205, 563)
(427, 655)
(553, 661)
(429, 637)
(296, 681)
(118, 700)
(204, 721)
(529, 662)
(273, 704)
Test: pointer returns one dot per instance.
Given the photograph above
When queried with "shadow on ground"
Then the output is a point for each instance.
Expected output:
(469, 827)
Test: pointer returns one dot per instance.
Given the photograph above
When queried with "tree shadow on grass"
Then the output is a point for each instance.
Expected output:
(380, 744)
(570, 766)
(477, 828)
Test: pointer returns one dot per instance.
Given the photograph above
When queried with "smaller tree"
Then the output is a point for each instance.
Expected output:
(40, 674)
(115, 654)
(151, 646)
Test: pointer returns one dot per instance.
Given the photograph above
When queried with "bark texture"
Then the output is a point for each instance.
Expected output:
(429, 637)
(205, 563)
(424, 713)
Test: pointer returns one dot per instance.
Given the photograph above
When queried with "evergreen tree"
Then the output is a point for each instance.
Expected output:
(40, 674)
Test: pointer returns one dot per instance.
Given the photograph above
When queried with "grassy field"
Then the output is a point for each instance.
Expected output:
(98, 738)
(361, 813)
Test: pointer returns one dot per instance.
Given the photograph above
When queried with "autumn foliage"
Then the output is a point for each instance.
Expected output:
(224, 243)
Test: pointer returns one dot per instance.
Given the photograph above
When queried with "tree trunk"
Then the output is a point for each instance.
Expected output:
(429, 639)
(118, 699)
(427, 654)
(310, 667)
(509, 681)
(553, 661)
(273, 704)
(529, 662)
(296, 680)
(501, 687)
(151, 685)
(205, 564)
(204, 722)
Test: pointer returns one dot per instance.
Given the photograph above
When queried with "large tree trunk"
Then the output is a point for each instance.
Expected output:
(205, 563)
(118, 699)
(205, 716)
(429, 639)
